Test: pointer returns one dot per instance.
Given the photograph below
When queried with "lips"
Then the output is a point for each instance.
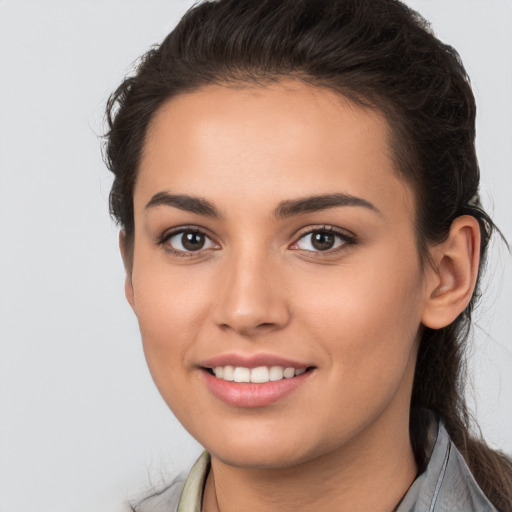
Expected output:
(253, 381)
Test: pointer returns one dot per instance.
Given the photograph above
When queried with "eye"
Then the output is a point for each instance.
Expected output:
(188, 241)
(323, 240)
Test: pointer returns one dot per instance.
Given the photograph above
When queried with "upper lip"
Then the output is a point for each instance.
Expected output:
(252, 361)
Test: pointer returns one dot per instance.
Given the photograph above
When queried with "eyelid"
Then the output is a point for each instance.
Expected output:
(347, 237)
(172, 232)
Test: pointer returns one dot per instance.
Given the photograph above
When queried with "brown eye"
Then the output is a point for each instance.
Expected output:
(186, 241)
(192, 241)
(323, 240)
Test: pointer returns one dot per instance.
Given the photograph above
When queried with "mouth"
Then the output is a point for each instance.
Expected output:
(258, 375)
(255, 385)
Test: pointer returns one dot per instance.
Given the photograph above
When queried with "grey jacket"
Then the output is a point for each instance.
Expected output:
(446, 484)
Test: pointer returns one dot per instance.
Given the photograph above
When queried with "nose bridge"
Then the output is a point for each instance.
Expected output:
(251, 295)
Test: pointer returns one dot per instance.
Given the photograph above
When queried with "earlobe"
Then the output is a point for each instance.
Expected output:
(126, 250)
(453, 273)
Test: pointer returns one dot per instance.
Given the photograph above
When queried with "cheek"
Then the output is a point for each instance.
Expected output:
(367, 315)
(171, 307)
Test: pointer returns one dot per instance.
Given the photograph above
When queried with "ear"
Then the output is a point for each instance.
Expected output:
(453, 273)
(126, 249)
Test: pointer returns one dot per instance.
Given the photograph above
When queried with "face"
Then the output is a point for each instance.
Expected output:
(274, 243)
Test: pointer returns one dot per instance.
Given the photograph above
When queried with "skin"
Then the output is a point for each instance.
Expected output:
(259, 286)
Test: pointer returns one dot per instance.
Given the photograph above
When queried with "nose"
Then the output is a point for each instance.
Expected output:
(252, 298)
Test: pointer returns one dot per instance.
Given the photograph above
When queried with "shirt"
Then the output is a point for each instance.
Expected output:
(445, 485)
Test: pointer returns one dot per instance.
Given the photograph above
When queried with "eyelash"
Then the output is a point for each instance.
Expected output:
(346, 239)
(167, 235)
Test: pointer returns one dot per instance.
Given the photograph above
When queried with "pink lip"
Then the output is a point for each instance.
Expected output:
(246, 394)
(252, 361)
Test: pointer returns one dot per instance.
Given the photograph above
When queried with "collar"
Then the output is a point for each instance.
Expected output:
(192, 494)
(445, 485)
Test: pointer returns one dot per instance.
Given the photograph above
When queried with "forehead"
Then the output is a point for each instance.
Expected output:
(267, 142)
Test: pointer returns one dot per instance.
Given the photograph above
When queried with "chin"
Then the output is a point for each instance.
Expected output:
(262, 450)
(258, 457)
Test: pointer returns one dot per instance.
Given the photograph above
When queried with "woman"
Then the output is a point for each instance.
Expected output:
(297, 188)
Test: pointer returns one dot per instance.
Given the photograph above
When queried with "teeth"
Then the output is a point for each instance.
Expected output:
(258, 375)
(242, 374)
(289, 373)
(276, 373)
(228, 373)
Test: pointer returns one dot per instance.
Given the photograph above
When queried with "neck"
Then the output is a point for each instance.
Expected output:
(372, 472)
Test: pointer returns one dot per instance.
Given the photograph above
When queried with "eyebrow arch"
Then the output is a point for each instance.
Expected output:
(288, 208)
(187, 203)
(319, 203)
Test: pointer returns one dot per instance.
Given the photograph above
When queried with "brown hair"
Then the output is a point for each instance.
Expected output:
(378, 53)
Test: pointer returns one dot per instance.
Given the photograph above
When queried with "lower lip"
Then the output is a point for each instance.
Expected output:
(246, 394)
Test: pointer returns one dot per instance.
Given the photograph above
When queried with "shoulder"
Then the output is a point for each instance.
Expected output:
(458, 489)
(165, 500)
(183, 494)
(446, 484)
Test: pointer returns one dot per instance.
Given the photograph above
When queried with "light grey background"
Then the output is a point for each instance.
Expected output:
(82, 428)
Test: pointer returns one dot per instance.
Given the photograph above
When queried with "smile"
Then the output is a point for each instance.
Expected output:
(259, 375)
(259, 386)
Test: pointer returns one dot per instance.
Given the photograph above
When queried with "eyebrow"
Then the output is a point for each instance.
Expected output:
(319, 203)
(290, 208)
(184, 202)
